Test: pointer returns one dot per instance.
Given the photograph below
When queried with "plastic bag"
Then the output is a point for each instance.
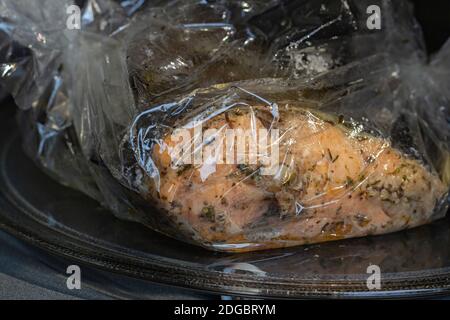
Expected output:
(236, 125)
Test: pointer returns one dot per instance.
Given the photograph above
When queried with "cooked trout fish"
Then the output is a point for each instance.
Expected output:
(327, 182)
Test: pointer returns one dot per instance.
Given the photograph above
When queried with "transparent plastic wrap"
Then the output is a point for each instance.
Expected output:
(236, 125)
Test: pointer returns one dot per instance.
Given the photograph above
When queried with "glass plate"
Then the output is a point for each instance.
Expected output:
(63, 221)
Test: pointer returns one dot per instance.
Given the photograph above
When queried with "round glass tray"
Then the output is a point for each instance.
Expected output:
(65, 222)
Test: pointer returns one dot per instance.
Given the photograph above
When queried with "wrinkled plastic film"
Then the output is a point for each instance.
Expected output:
(238, 125)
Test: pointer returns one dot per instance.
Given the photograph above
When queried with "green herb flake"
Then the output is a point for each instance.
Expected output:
(329, 154)
(209, 213)
(349, 181)
(183, 169)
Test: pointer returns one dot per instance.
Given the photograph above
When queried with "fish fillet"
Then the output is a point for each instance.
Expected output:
(331, 183)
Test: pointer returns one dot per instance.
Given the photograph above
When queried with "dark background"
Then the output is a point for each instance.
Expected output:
(434, 18)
